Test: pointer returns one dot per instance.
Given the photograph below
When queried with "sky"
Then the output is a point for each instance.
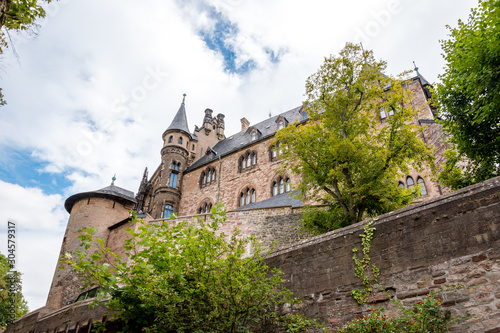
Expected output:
(93, 87)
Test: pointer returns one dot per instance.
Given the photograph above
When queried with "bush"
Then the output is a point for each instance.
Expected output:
(426, 316)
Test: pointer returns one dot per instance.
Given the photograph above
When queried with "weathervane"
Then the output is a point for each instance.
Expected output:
(113, 179)
(183, 98)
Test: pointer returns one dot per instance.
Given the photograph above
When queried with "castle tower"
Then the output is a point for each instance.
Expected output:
(101, 209)
(179, 147)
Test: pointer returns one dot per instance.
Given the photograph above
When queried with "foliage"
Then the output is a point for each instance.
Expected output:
(183, 277)
(10, 291)
(319, 221)
(363, 269)
(468, 96)
(346, 156)
(21, 16)
(426, 316)
(296, 323)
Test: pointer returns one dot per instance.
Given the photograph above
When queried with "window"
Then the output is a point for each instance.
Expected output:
(87, 294)
(421, 184)
(205, 208)
(401, 184)
(169, 209)
(383, 115)
(391, 111)
(180, 140)
(254, 136)
(173, 179)
(281, 124)
(275, 151)
(207, 177)
(192, 147)
(304, 115)
(280, 185)
(247, 196)
(170, 139)
(409, 182)
(247, 161)
(176, 165)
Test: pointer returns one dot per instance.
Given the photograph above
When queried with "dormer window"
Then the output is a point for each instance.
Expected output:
(281, 124)
(304, 115)
(254, 136)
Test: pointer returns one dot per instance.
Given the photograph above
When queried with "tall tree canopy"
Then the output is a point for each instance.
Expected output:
(468, 97)
(346, 156)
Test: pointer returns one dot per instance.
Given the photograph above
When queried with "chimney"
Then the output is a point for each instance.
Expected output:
(244, 124)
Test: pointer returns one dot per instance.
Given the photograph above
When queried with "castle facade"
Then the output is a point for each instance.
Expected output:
(242, 171)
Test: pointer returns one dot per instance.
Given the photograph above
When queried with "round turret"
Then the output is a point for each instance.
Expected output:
(100, 209)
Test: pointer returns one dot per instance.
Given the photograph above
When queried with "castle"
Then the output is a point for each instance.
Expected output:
(199, 169)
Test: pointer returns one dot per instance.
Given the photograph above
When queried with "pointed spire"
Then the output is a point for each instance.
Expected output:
(145, 175)
(180, 119)
(422, 79)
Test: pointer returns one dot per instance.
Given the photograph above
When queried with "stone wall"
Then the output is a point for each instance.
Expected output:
(451, 240)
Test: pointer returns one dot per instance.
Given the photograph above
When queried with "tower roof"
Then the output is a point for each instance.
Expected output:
(112, 192)
(180, 120)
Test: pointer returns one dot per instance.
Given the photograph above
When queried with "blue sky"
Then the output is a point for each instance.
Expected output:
(92, 93)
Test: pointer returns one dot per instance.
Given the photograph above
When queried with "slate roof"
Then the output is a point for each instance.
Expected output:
(180, 121)
(110, 192)
(285, 199)
(235, 142)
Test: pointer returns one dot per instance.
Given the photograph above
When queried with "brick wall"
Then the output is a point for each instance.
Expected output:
(454, 239)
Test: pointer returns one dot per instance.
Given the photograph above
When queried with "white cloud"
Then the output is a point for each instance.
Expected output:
(40, 222)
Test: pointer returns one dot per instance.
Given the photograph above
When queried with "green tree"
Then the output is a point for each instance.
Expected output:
(11, 297)
(468, 97)
(346, 157)
(182, 277)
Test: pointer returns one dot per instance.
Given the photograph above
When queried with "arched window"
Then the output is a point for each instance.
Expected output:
(280, 185)
(192, 147)
(180, 140)
(170, 139)
(247, 196)
(169, 209)
(209, 175)
(205, 208)
(401, 184)
(275, 189)
(423, 188)
(248, 160)
(213, 175)
(409, 182)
